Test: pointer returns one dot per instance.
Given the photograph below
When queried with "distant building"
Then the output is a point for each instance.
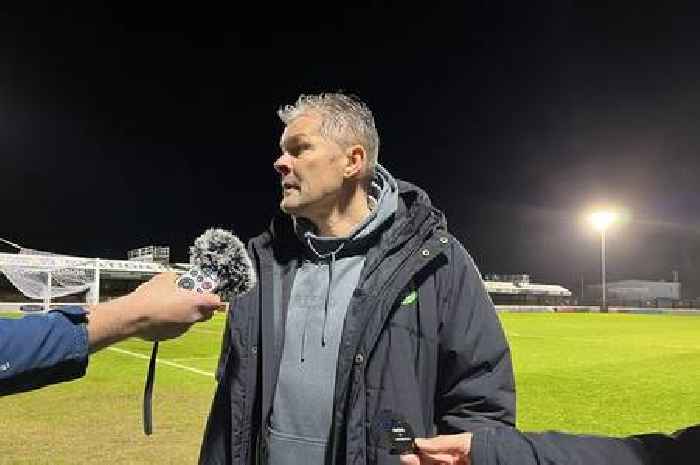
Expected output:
(151, 253)
(637, 292)
(508, 278)
(516, 289)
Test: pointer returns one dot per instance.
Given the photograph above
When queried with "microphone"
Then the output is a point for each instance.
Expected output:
(393, 432)
(221, 265)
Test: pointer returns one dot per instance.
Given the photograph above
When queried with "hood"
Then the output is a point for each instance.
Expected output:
(384, 200)
(413, 206)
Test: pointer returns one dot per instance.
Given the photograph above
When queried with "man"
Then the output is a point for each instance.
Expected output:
(508, 446)
(39, 350)
(365, 304)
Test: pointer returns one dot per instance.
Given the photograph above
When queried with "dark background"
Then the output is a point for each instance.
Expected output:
(121, 128)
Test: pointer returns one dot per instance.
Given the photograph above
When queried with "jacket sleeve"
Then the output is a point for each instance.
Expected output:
(215, 444)
(476, 386)
(42, 349)
(508, 446)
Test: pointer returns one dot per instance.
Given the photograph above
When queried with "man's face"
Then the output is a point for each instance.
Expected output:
(310, 168)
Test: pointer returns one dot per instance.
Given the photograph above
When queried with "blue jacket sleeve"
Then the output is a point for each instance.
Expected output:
(508, 446)
(45, 349)
(476, 385)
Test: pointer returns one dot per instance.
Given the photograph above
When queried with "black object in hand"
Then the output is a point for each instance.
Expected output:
(394, 433)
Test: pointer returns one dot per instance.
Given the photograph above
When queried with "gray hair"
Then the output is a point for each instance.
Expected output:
(346, 120)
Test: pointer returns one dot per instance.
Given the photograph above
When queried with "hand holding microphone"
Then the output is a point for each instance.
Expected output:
(220, 266)
(454, 449)
(393, 433)
(157, 309)
(167, 311)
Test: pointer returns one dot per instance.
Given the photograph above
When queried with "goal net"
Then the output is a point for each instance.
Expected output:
(46, 276)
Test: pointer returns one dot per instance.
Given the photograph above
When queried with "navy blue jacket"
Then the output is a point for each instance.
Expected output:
(421, 338)
(42, 349)
(508, 446)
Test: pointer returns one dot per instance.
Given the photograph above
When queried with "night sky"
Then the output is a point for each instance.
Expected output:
(124, 128)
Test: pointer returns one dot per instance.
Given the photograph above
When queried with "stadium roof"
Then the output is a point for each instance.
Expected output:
(501, 287)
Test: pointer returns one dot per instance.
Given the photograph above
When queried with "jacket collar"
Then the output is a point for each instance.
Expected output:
(415, 212)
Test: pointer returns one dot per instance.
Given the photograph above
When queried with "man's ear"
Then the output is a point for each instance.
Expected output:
(356, 158)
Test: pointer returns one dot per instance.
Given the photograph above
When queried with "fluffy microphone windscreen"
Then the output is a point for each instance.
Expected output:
(220, 252)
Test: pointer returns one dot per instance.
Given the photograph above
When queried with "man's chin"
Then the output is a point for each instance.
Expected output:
(290, 208)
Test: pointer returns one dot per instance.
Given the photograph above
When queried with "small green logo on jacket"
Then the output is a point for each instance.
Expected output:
(410, 298)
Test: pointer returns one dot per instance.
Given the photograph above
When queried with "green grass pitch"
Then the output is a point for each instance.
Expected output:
(591, 373)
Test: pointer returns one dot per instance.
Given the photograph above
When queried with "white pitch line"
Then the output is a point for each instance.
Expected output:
(160, 360)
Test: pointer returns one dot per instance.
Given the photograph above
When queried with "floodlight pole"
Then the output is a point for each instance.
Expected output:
(604, 303)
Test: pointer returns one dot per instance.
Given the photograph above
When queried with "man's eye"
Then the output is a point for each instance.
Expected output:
(296, 150)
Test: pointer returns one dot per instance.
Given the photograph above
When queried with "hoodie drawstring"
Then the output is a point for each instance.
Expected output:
(328, 298)
(303, 335)
(331, 263)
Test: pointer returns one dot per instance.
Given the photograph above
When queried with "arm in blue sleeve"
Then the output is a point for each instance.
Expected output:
(508, 446)
(44, 349)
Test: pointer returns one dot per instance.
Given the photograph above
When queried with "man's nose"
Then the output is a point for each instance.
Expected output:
(282, 164)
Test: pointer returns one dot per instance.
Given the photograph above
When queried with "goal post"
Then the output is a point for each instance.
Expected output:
(46, 278)
(52, 279)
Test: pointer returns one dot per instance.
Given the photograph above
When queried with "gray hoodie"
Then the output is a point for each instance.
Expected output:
(323, 285)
